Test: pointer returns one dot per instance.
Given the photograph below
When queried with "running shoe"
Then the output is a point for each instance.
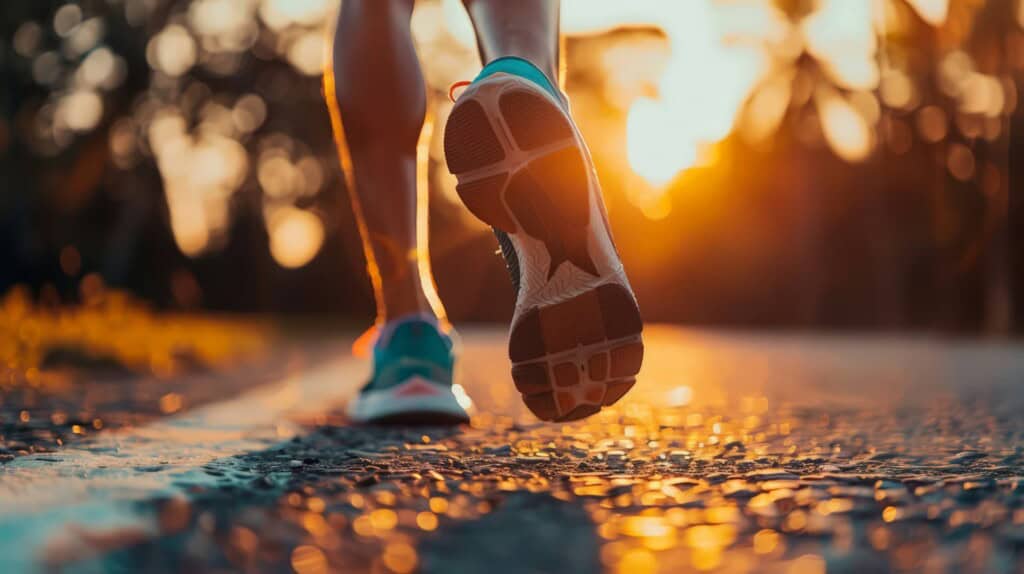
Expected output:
(412, 381)
(522, 167)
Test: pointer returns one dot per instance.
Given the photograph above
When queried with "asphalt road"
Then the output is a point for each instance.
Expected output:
(735, 453)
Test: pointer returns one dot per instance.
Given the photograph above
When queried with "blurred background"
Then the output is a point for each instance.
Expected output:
(826, 164)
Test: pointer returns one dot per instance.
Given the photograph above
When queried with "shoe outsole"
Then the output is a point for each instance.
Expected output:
(573, 357)
(417, 419)
(438, 406)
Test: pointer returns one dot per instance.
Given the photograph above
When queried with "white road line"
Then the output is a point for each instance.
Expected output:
(95, 483)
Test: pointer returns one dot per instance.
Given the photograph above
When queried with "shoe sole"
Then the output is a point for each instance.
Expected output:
(395, 407)
(522, 168)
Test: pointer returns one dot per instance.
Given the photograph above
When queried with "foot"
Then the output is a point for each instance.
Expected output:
(413, 364)
(523, 168)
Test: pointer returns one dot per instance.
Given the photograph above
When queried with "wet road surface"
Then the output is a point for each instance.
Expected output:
(735, 453)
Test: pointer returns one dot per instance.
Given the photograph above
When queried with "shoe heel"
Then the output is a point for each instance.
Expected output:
(471, 144)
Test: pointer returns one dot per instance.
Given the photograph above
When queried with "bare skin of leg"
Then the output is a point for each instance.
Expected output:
(527, 29)
(376, 94)
(378, 113)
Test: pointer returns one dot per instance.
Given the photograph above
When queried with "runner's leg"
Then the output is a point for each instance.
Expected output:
(526, 29)
(376, 93)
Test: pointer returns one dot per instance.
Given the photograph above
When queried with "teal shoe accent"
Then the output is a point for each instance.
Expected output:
(408, 347)
(522, 68)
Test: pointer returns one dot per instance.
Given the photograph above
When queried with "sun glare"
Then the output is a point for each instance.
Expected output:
(721, 76)
(704, 84)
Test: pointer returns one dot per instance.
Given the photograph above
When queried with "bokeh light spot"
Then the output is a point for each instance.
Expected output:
(295, 237)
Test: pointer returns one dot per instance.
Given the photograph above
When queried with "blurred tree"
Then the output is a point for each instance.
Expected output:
(91, 82)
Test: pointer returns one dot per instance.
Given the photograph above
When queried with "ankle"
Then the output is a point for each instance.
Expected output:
(404, 304)
(548, 66)
(550, 70)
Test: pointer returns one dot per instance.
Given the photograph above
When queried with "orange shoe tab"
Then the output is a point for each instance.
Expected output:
(455, 86)
(364, 344)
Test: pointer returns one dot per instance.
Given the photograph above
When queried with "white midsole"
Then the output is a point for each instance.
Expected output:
(373, 405)
(568, 280)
